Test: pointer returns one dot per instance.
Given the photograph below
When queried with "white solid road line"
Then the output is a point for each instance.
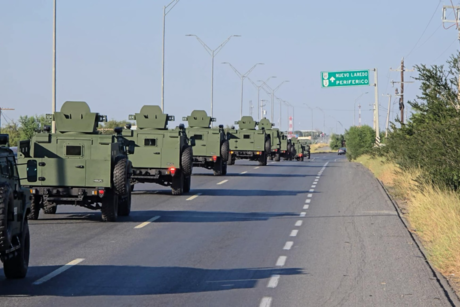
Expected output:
(281, 261)
(273, 282)
(307, 201)
(310, 195)
(288, 245)
(266, 302)
(244, 172)
(222, 182)
(303, 214)
(55, 273)
(294, 233)
(193, 197)
(298, 223)
(146, 223)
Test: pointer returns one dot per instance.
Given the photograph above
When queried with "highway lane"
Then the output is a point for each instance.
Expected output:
(257, 236)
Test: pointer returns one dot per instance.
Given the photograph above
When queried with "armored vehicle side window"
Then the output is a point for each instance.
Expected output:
(246, 136)
(73, 150)
(12, 168)
(6, 169)
(150, 142)
(198, 137)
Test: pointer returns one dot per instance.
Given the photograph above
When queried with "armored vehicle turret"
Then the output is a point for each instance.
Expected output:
(211, 149)
(275, 138)
(14, 207)
(162, 155)
(77, 165)
(248, 143)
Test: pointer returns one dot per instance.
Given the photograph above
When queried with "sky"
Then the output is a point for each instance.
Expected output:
(109, 55)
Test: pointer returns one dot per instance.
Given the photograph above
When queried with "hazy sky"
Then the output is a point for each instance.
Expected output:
(109, 54)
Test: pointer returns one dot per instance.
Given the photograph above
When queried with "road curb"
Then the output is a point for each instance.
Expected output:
(442, 281)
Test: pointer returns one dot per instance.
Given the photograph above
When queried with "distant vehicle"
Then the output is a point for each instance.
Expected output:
(342, 151)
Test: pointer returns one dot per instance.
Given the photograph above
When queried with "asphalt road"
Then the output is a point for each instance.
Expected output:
(313, 233)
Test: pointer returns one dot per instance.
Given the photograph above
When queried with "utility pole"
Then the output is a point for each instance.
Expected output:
(250, 107)
(402, 69)
(3, 109)
(456, 10)
(376, 109)
(388, 114)
(53, 84)
(359, 119)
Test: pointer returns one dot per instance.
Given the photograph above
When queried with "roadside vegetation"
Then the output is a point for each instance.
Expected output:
(337, 141)
(420, 165)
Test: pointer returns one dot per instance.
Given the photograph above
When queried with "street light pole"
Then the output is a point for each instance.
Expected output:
(311, 116)
(324, 115)
(165, 12)
(273, 97)
(242, 76)
(258, 94)
(354, 107)
(213, 53)
(53, 85)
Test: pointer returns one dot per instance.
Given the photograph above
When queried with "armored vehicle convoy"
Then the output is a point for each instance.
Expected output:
(162, 156)
(14, 207)
(248, 143)
(77, 165)
(275, 138)
(211, 146)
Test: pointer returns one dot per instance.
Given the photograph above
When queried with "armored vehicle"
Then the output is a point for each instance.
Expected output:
(211, 146)
(306, 148)
(77, 165)
(298, 149)
(248, 143)
(275, 138)
(285, 147)
(162, 156)
(14, 207)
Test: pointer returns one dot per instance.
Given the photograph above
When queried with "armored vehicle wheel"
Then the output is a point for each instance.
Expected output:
(218, 165)
(230, 160)
(121, 177)
(224, 169)
(132, 187)
(187, 183)
(277, 157)
(17, 266)
(6, 204)
(186, 160)
(124, 205)
(225, 151)
(268, 146)
(177, 185)
(308, 156)
(34, 207)
(270, 157)
(301, 159)
(109, 210)
(263, 159)
(49, 208)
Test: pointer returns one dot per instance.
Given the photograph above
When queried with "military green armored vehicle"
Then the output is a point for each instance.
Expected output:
(298, 149)
(275, 138)
(211, 149)
(14, 207)
(162, 156)
(77, 165)
(285, 147)
(306, 148)
(248, 143)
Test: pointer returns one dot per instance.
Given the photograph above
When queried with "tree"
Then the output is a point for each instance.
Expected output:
(360, 140)
(107, 128)
(336, 141)
(30, 124)
(12, 128)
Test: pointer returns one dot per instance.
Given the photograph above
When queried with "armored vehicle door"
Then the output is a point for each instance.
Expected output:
(151, 147)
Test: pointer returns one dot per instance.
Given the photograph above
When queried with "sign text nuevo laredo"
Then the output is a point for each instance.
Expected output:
(344, 78)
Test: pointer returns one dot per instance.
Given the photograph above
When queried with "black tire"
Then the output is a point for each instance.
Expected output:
(6, 205)
(224, 169)
(217, 168)
(177, 185)
(109, 210)
(270, 157)
(187, 183)
(49, 208)
(132, 187)
(35, 204)
(268, 146)
(277, 157)
(225, 151)
(121, 177)
(124, 206)
(230, 160)
(186, 161)
(16, 267)
(263, 159)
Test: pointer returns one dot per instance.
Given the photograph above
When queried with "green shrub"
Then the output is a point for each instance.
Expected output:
(360, 140)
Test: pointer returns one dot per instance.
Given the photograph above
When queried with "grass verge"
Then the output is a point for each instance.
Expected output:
(432, 212)
(318, 148)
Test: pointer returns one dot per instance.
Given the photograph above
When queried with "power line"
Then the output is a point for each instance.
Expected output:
(445, 50)
(429, 22)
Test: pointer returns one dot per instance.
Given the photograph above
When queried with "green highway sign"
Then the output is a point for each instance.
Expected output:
(344, 78)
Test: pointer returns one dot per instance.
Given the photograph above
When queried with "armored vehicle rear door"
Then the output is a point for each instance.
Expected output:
(151, 148)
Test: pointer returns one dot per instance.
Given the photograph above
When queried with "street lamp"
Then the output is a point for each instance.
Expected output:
(273, 97)
(354, 107)
(311, 109)
(258, 94)
(213, 53)
(324, 115)
(242, 76)
(166, 10)
(53, 83)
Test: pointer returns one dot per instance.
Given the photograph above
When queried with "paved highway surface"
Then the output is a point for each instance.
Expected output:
(313, 233)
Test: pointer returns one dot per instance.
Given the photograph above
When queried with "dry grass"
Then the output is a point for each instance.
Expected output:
(433, 213)
(316, 148)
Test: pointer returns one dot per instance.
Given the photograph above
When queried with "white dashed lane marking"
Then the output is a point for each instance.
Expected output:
(61, 270)
(147, 222)
(311, 190)
(310, 195)
(288, 245)
(298, 223)
(273, 282)
(266, 302)
(281, 261)
(305, 207)
(307, 201)
(222, 182)
(243, 172)
(193, 197)
(303, 214)
(294, 233)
